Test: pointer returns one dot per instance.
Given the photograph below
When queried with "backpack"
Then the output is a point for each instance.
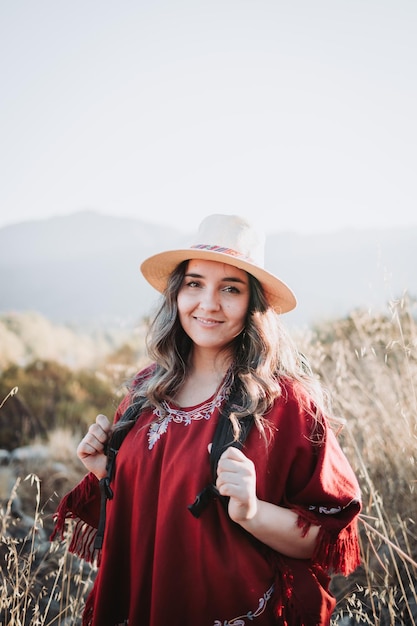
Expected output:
(222, 439)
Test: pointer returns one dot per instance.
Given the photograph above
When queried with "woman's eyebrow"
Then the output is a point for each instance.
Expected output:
(234, 279)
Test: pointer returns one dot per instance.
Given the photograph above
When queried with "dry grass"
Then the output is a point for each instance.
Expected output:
(41, 583)
(369, 364)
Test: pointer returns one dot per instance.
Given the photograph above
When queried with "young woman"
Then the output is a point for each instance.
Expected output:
(282, 514)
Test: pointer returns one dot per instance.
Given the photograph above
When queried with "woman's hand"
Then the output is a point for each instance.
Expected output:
(91, 448)
(236, 478)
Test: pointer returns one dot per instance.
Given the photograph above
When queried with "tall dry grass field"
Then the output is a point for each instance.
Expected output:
(369, 364)
(41, 583)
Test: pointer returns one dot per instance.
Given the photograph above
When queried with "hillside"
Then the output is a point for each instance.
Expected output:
(82, 269)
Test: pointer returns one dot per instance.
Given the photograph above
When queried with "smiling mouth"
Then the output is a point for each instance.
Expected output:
(208, 322)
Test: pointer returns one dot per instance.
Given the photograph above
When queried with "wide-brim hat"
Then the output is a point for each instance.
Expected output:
(228, 239)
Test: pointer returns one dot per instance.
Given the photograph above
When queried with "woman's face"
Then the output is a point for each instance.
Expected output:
(212, 303)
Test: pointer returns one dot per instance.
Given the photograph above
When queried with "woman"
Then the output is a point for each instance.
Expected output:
(285, 503)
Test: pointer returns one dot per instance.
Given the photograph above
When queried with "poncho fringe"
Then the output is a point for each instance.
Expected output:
(337, 549)
(83, 533)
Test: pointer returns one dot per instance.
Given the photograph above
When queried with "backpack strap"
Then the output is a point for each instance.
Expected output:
(223, 438)
(112, 448)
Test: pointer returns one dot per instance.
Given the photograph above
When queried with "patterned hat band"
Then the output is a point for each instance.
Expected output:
(229, 251)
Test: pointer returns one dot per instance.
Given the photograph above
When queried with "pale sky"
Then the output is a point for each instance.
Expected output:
(301, 114)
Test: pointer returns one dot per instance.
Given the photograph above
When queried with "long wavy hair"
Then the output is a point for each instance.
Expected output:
(264, 357)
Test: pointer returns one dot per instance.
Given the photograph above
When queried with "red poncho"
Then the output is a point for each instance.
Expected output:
(161, 566)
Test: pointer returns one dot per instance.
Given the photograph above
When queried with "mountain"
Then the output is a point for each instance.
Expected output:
(83, 269)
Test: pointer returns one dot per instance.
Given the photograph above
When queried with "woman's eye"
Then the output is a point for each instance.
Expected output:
(231, 289)
(192, 283)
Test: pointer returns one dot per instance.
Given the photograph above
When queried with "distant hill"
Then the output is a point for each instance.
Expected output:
(83, 269)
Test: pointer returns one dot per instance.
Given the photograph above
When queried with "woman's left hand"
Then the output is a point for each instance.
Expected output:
(236, 478)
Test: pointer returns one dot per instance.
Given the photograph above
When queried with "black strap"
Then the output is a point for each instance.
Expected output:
(112, 448)
(223, 438)
(106, 493)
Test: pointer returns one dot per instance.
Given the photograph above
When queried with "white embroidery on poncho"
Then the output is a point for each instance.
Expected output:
(182, 416)
(251, 615)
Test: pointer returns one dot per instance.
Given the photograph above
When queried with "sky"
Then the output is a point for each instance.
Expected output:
(300, 114)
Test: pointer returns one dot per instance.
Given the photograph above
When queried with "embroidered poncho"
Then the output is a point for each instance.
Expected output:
(159, 565)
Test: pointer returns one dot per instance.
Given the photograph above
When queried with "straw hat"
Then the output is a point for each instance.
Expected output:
(228, 239)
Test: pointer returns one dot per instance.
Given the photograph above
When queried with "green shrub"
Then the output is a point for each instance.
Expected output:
(50, 395)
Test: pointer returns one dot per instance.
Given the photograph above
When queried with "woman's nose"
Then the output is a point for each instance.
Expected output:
(209, 299)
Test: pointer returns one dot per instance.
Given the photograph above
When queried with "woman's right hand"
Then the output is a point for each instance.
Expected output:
(91, 448)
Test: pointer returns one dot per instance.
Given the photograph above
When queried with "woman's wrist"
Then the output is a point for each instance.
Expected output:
(277, 527)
